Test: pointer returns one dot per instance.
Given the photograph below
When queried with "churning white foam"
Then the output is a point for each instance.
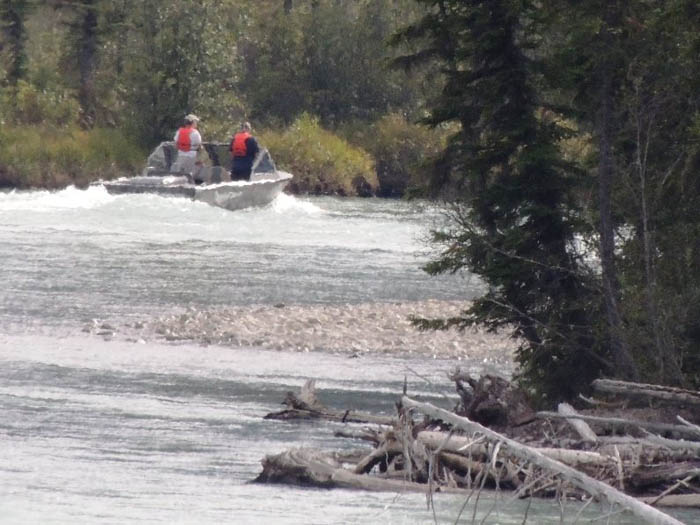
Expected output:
(44, 200)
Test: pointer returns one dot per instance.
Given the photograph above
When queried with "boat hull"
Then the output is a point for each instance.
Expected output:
(238, 195)
(232, 196)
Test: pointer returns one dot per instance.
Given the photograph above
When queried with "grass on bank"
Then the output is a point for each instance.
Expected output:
(38, 156)
(382, 158)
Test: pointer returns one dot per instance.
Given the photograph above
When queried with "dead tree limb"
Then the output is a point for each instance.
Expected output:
(467, 446)
(308, 467)
(616, 421)
(674, 500)
(660, 474)
(696, 428)
(673, 444)
(678, 396)
(579, 425)
(594, 487)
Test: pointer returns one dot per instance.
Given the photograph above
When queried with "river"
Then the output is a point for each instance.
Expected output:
(103, 427)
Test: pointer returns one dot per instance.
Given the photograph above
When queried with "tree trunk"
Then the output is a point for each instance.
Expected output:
(14, 31)
(625, 366)
(87, 62)
(667, 366)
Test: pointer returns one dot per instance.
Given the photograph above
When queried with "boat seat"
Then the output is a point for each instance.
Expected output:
(211, 175)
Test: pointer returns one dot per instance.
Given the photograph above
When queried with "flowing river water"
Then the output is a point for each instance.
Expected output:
(105, 419)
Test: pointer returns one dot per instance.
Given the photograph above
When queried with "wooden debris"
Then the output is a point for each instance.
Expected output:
(308, 467)
(667, 394)
(446, 452)
(592, 486)
(624, 423)
(492, 400)
(675, 500)
(566, 410)
(696, 428)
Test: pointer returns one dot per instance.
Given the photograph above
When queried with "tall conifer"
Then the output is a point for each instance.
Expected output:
(513, 209)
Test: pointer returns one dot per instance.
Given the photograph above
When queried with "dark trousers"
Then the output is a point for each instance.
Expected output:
(240, 168)
(240, 174)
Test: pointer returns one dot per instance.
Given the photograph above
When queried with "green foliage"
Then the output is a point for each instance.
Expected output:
(13, 37)
(514, 212)
(32, 156)
(401, 151)
(25, 103)
(173, 68)
(321, 161)
(653, 102)
(623, 79)
(329, 61)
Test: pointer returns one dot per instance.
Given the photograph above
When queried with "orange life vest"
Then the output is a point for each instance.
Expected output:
(184, 142)
(238, 147)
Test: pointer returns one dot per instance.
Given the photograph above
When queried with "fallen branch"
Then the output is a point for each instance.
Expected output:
(665, 393)
(696, 428)
(467, 446)
(654, 475)
(308, 467)
(566, 410)
(616, 421)
(674, 500)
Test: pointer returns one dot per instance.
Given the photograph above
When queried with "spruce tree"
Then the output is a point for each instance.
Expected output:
(13, 16)
(514, 218)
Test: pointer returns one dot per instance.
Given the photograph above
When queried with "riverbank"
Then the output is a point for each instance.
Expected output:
(352, 329)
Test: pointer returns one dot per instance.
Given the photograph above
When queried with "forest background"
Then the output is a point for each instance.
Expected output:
(562, 136)
(90, 86)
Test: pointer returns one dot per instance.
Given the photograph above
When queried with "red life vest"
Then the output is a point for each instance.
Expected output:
(184, 142)
(238, 146)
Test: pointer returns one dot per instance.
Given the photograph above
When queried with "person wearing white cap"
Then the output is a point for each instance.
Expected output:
(188, 142)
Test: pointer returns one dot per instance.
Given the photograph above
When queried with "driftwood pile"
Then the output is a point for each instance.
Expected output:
(493, 439)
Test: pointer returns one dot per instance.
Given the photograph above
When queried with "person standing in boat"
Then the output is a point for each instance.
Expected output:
(243, 150)
(188, 142)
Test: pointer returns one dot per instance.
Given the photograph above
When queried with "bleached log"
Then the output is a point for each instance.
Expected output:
(579, 425)
(595, 488)
(616, 421)
(665, 393)
(674, 500)
(673, 444)
(648, 476)
(599, 403)
(696, 428)
(466, 446)
(384, 453)
(308, 467)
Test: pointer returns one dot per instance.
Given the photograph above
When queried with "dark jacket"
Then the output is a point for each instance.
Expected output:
(241, 164)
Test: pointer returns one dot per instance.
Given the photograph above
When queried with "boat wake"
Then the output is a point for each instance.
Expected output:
(97, 196)
(69, 198)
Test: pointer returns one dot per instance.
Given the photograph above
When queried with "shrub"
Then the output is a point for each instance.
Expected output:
(322, 162)
(26, 104)
(401, 151)
(33, 156)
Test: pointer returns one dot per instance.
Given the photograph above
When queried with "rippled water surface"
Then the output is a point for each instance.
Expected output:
(100, 430)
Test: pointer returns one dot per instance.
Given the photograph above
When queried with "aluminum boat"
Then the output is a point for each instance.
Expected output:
(210, 182)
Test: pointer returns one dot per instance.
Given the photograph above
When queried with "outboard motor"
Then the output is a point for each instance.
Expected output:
(160, 161)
